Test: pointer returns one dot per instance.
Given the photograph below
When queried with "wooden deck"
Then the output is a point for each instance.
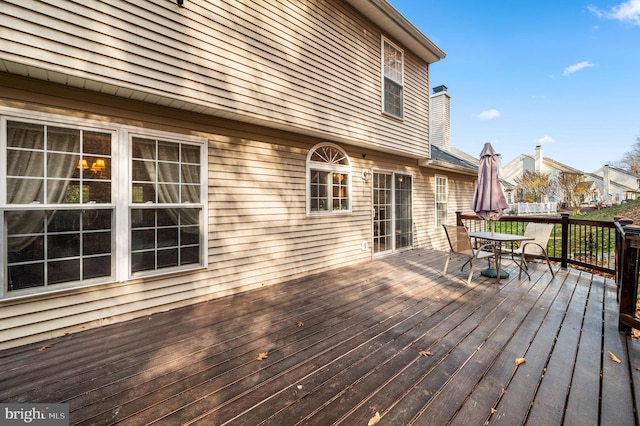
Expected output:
(392, 336)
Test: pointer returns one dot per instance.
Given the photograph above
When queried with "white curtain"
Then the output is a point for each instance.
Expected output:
(169, 184)
(30, 163)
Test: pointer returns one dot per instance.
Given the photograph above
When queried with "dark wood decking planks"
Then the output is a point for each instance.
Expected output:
(357, 353)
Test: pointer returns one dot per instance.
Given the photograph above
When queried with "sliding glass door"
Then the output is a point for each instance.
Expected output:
(392, 212)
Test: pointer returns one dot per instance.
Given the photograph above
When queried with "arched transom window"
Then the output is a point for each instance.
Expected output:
(328, 180)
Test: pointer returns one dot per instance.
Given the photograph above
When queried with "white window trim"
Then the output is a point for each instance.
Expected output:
(337, 168)
(121, 174)
(382, 77)
(436, 202)
(393, 174)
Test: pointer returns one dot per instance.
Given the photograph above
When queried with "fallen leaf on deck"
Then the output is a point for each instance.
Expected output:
(614, 358)
(300, 324)
(42, 348)
(493, 410)
(374, 420)
(520, 361)
(262, 355)
(424, 353)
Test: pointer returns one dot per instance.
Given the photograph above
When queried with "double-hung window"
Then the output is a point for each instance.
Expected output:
(166, 210)
(392, 79)
(85, 202)
(329, 180)
(441, 201)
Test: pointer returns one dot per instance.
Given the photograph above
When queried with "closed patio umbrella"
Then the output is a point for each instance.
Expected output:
(488, 198)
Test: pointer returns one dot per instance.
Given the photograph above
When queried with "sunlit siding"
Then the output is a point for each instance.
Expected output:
(312, 65)
(258, 229)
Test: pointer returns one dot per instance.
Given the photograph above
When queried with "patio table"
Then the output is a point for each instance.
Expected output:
(498, 239)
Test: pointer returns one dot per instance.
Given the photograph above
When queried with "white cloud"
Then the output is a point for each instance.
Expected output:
(546, 139)
(627, 11)
(577, 67)
(489, 114)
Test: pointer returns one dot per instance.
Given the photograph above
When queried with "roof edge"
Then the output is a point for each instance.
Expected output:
(395, 24)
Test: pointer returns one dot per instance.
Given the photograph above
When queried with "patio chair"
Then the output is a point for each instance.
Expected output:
(533, 249)
(460, 244)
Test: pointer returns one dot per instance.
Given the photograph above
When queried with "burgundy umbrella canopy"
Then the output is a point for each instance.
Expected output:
(488, 198)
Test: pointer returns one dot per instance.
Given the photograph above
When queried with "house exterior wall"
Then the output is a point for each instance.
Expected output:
(313, 66)
(262, 83)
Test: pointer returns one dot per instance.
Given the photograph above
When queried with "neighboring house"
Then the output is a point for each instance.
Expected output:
(613, 185)
(537, 163)
(154, 156)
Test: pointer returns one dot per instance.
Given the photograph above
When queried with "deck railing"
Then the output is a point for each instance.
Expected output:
(588, 244)
(628, 254)
(611, 248)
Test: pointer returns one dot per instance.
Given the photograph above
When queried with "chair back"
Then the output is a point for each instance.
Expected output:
(459, 240)
(541, 233)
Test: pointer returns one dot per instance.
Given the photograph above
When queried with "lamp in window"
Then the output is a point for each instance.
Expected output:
(82, 164)
(98, 165)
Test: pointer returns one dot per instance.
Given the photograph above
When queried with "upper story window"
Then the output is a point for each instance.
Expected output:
(73, 213)
(392, 79)
(328, 180)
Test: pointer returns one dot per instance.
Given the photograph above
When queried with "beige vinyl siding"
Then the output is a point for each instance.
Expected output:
(258, 230)
(312, 65)
(460, 192)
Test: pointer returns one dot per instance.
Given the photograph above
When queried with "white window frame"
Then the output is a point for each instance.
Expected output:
(399, 81)
(331, 168)
(120, 196)
(440, 181)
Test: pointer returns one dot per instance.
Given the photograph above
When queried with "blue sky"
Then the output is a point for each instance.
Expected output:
(563, 74)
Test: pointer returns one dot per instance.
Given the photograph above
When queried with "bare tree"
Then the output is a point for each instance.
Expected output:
(575, 189)
(534, 186)
(631, 159)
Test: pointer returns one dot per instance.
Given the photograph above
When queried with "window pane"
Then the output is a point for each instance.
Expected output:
(189, 255)
(143, 171)
(63, 271)
(167, 258)
(169, 193)
(63, 220)
(190, 173)
(167, 237)
(143, 148)
(190, 154)
(64, 245)
(25, 249)
(96, 143)
(25, 163)
(143, 239)
(144, 261)
(25, 191)
(25, 276)
(25, 135)
(61, 139)
(168, 151)
(95, 267)
(96, 243)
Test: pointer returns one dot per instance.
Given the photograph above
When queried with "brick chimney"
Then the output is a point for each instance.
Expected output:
(440, 119)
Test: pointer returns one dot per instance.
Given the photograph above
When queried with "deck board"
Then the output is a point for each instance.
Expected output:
(345, 344)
